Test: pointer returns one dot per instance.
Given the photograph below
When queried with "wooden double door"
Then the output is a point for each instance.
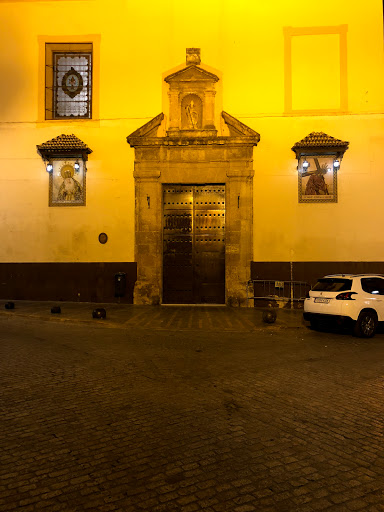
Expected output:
(194, 244)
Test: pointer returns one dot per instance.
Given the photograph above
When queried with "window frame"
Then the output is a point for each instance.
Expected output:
(52, 49)
(368, 283)
(321, 283)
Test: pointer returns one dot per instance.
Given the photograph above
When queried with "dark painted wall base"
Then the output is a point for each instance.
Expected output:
(84, 282)
(95, 282)
(310, 271)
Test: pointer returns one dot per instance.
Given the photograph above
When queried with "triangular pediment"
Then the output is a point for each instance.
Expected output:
(148, 129)
(192, 74)
(237, 128)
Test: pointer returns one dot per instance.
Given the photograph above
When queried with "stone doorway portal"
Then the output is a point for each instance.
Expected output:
(194, 244)
(194, 143)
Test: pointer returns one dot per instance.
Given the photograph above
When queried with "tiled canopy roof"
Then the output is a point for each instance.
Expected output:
(67, 143)
(321, 140)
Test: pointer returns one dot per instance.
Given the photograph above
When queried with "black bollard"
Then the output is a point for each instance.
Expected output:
(269, 316)
(99, 313)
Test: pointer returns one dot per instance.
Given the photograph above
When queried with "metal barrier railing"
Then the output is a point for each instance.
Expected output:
(273, 293)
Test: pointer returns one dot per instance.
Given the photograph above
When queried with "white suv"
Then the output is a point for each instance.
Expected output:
(354, 298)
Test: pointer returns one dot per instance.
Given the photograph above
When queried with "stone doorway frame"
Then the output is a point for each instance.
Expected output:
(209, 146)
(227, 162)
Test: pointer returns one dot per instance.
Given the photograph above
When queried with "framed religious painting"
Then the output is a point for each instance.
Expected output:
(67, 182)
(317, 179)
(318, 161)
(65, 158)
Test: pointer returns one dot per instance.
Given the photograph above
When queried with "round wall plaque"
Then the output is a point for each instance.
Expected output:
(103, 238)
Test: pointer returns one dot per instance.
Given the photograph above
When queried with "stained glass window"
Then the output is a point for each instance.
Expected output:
(68, 81)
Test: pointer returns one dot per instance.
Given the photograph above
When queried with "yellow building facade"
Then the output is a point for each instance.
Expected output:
(282, 72)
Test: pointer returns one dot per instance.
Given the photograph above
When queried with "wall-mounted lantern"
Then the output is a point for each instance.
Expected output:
(65, 158)
(318, 156)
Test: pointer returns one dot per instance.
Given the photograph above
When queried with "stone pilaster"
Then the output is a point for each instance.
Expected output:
(209, 117)
(239, 232)
(174, 111)
(148, 236)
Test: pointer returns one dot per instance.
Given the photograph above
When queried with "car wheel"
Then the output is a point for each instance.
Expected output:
(365, 326)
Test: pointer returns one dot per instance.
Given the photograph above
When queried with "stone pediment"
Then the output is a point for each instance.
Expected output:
(148, 129)
(237, 128)
(192, 74)
(146, 135)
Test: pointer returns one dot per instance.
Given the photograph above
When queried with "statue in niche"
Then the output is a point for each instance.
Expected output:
(191, 112)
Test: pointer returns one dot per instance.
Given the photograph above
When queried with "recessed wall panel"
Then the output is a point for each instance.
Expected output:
(316, 72)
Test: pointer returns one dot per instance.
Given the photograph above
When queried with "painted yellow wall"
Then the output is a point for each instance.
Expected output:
(270, 83)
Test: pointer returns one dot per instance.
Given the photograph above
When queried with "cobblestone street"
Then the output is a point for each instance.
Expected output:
(250, 417)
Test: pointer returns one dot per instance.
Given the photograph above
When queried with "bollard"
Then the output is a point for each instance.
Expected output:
(269, 316)
(120, 284)
(99, 313)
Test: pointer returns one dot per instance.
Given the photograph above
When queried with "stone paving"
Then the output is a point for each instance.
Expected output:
(247, 417)
(156, 317)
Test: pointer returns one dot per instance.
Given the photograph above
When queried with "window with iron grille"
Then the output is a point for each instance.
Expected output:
(68, 81)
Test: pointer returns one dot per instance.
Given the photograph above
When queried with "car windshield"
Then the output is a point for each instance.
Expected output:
(330, 284)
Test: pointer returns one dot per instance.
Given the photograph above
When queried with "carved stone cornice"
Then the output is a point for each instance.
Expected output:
(203, 141)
